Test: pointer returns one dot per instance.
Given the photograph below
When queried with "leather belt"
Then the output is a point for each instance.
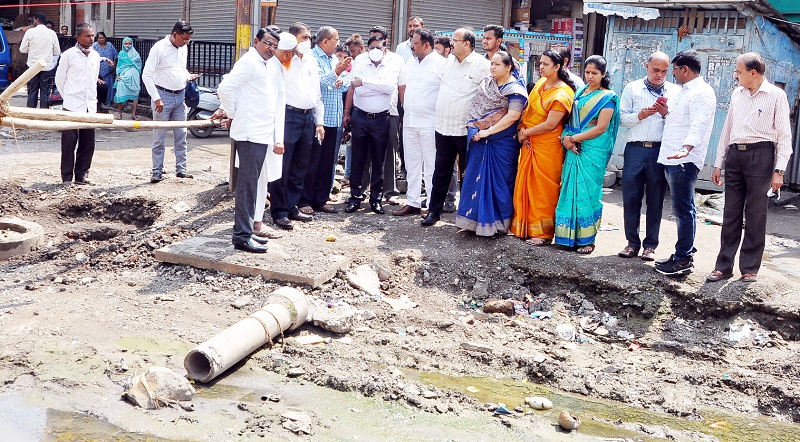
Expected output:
(373, 115)
(656, 144)
(297, 109)
(169, 90)
(752, 146)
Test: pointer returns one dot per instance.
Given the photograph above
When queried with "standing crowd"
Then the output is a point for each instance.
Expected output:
(527, 163)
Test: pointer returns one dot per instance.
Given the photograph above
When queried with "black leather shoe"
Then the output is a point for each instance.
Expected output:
(157, 177)
(259, 239)
(250, 246)
(283, 223)
(352, 207)
(377, 208)
(300, 216)
(184, 175)
(431, 219)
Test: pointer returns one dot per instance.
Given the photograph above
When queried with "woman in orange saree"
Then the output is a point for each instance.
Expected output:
(539, 174)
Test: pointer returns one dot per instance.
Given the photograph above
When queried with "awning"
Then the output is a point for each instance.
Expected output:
(621, 10)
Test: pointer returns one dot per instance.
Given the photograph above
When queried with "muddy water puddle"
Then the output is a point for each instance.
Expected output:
(598, 415)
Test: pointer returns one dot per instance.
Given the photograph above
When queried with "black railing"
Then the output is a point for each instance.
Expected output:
(212, 59)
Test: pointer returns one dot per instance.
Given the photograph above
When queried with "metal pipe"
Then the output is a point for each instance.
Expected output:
(285, 310)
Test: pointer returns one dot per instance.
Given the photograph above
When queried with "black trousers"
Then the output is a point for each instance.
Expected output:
(447, 148)
(39, 89)
(284, 194)
(370, 136)
(76, 163)
(748, 177)
(319, 175)
(251, 157)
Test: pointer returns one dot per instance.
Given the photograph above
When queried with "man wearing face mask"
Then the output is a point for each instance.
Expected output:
(367, 111)
(305, 115)
(257, 122)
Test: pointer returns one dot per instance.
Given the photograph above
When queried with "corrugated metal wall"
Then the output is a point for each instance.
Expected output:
(347, 16)
(145, 19)
(448, 16)
(51, 11)
(213, 20)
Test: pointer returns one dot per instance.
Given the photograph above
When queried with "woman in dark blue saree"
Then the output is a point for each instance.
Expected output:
(487, 193)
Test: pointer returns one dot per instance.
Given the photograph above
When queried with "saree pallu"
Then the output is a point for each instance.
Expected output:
(539, 177)
(580, 208)
(487, 203)
(129, 69)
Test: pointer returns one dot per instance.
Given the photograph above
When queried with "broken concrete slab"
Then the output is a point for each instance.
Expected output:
(285, 262)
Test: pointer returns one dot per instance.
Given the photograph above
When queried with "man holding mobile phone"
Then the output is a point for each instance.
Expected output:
(643, 110)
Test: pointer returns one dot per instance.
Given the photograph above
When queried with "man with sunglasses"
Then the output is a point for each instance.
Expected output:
(165, 76)
(252, 96)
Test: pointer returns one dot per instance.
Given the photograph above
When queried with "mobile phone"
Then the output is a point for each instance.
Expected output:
(662, 100)
(578, 147)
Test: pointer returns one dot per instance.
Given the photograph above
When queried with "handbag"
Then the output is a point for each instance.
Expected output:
(192, 95)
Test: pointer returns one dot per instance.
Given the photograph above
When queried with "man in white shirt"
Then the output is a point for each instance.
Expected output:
(76, 79)
(461, 76)
(252, 96)
(754, 149)
(367, 109)
(165, 76)
(643, 110)
(404, 48)
(687, 130)
(418, 92)
(305, 116)
(40, 43)
(566, 54)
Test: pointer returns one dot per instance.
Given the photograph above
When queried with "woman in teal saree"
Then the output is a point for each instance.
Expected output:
(129, 72)
(589, 139)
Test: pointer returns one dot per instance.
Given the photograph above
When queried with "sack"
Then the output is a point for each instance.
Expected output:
(192, 95)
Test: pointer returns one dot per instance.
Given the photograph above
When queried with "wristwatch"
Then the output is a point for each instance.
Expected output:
(780, 172)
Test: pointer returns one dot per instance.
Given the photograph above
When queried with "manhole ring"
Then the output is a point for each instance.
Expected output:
(18, 236)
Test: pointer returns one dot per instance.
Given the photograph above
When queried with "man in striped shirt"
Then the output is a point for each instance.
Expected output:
(754, 148)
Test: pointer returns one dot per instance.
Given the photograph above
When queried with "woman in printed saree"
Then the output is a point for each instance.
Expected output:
(108, 59)
(129, 77)
(589, 139)
(540, 160)
(487, 191)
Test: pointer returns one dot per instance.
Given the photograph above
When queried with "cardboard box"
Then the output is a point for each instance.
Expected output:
(521, 15)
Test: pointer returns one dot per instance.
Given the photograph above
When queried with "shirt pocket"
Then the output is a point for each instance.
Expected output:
(465, 84)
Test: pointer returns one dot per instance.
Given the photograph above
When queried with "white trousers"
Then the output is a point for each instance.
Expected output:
(419, 151)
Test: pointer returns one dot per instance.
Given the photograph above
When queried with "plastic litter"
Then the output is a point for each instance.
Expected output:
(738, 332)
(502, 410)
(565, 332)
(541, 314)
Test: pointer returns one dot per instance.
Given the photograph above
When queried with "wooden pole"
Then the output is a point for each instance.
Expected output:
(52, 115)
(22, 80)
(22, 123)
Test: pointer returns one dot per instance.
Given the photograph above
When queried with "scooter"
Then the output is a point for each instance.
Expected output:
(209, 103)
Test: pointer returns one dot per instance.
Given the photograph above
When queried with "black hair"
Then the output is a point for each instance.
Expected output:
(379, 30)
(82, 27)
(376, 38)
(443, 40)
(355, 39)
(558, 59)
(602, 66)
(269, 30)
(425, 36)
(298, 27)
(497, 30)
(753, 62)
(506, 58)
(274, 28)
(566, 55)
(469, 36)
(688, 58)
(182, 27)
(98, 34)
(52, 25)
(341, 48)
(40, 16)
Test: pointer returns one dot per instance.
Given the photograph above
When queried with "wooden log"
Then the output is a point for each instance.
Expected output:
(22, 80)
(22, 123)
(53, 115)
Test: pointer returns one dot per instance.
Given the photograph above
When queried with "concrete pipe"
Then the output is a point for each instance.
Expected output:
(285, 310)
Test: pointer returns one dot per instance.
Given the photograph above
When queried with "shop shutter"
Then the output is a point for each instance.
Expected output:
(448, 16)
(50, 9)
(145, 19)
(347, 16)
(213, 20)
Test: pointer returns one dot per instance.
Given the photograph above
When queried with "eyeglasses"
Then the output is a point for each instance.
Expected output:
(269, 44)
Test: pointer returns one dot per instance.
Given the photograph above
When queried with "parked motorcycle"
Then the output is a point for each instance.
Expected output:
(209, 103)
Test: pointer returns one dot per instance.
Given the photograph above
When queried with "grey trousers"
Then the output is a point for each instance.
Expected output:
(251, 158)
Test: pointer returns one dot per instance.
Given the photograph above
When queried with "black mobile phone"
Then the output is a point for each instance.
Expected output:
(578, 147)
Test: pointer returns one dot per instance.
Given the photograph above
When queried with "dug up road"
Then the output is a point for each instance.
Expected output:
(651, 358)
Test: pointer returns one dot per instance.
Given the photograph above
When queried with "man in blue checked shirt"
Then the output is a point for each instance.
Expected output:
(320, 174)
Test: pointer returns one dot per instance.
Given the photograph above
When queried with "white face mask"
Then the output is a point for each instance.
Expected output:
(303, 47)
(376, 54)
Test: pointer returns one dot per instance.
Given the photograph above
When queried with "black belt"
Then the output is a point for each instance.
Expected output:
(169, 90)
(373, 115)
(752, 146)
(656, 144)
(297, 109)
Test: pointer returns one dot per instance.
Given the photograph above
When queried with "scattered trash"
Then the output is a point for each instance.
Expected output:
(181, 207)
(580, 338)
(309, 339)
(271, 398)
(608, 228)
(541, 314)
(296, 422)
(472, 389)
(737, 332)
(159, 386)
(402, 303)
(330, 238)
(568, 421)
(565, 332)
(790, 207)
(502, 410)
(539, 403)
(364, 278)
(601, 331)
(634, 346)
(624, 334)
